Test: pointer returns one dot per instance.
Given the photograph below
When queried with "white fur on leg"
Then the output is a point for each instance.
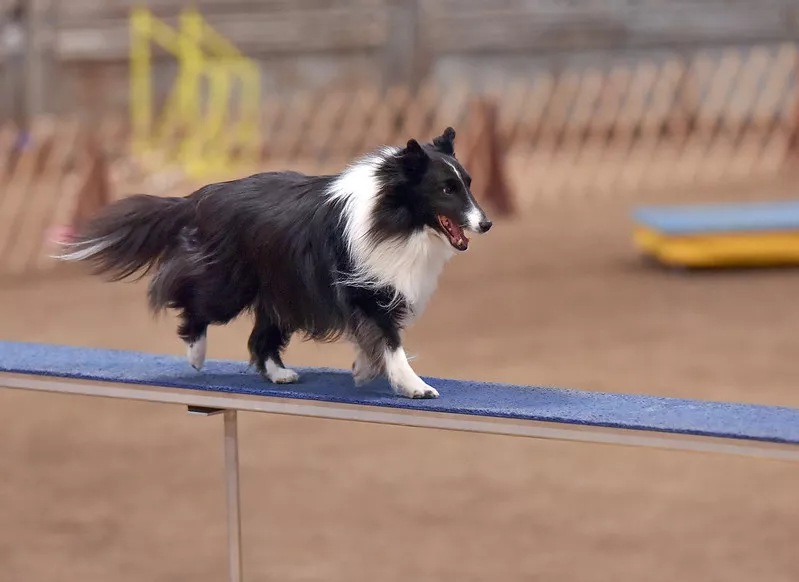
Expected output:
(195, 352)
(280, 375)
(403, 379)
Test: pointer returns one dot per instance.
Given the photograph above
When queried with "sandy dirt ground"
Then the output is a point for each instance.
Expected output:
(100, 491)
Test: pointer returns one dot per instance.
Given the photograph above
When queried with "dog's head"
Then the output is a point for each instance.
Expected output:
(436, 188)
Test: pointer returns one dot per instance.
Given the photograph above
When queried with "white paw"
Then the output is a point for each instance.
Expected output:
(279, 374)
(417, 390)
(195, 352)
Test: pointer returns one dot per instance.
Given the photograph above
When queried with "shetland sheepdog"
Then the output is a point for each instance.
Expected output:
(355, 255)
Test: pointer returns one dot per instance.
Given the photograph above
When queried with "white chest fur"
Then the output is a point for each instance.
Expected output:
(412, 266)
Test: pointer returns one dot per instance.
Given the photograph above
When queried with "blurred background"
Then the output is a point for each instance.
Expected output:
(569, 113)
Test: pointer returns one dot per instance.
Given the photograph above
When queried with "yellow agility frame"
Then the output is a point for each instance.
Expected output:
(746, 249)
(209, 142)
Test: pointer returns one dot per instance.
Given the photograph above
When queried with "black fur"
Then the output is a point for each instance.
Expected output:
(272, 244)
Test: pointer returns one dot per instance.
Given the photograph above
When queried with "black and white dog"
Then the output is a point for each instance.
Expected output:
(354, 255)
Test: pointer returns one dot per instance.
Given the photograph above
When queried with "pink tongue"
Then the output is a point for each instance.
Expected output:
(456, 233)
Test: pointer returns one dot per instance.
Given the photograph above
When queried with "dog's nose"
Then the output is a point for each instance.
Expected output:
(485, 225)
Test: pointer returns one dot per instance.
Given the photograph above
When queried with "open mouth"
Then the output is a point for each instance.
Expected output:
(454, 232)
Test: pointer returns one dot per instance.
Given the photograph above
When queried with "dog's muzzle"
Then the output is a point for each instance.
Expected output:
(477, 221)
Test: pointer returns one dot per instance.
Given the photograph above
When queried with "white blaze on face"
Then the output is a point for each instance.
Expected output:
(474, 216)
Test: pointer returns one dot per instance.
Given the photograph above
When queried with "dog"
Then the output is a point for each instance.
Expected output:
(354, 255)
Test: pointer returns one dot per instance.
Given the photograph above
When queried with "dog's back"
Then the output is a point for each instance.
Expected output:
(278, 228)
(271, 239)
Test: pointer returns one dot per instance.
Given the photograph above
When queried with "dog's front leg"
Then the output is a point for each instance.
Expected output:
(381, 351)
(402, 377)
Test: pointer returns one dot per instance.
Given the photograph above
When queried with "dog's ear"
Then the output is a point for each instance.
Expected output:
(414, 159)
(445, 143)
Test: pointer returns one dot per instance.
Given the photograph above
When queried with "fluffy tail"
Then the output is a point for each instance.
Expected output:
(130, 235)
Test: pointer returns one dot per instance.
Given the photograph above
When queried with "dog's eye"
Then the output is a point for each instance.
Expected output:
(447, 190)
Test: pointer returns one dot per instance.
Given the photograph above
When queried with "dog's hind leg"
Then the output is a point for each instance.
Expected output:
(175, 285)
(194, 334)
(196, 351)
(364, 369)
(266, 343)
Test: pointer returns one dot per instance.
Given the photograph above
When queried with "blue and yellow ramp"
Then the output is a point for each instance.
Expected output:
(751, 234)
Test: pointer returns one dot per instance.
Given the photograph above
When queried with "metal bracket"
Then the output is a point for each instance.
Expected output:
(204, 410)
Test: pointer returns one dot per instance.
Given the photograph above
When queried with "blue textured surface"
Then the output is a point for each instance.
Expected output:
(743, 421)
(718, 218)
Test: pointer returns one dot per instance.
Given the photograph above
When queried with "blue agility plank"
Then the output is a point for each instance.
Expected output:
(671, 415)
(720, 218)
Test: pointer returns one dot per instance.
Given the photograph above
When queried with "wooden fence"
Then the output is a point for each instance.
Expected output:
(619, 132)
(50, 177)
(703, 119)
